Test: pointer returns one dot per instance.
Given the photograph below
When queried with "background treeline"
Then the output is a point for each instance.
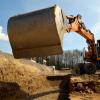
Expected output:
(67, 59)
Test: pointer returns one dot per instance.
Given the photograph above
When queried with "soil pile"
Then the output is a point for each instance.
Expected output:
(20, 78)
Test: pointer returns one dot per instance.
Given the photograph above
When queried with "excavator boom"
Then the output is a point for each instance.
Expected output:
(76, 25)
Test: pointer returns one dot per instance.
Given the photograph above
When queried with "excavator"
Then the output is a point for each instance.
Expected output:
(92, 56)
(40, 33)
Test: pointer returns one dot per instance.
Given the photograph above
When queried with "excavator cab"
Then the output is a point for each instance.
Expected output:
(38, 33)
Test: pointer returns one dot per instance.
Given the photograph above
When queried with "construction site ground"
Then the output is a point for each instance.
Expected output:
(26, 80)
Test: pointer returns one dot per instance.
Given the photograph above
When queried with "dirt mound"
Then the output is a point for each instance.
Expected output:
(17, 76)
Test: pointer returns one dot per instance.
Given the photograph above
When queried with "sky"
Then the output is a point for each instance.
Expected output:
(89, 9)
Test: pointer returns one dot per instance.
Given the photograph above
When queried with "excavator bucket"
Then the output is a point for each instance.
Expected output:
(38, 33)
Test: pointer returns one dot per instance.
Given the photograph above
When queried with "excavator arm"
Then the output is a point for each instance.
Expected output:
(76, 25)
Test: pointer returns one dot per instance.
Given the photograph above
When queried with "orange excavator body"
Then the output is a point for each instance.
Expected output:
(78, 26)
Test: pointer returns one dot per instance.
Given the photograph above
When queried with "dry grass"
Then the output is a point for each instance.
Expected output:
(29, 77)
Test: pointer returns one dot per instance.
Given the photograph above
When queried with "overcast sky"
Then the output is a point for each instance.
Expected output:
(89, 9)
